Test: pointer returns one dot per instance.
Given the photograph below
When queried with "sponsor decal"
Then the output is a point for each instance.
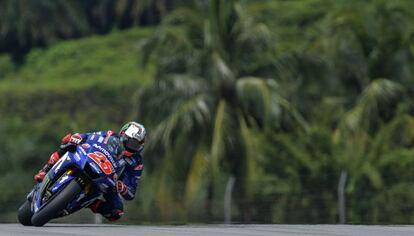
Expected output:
(100, 139)
(83, 150)
(102, 150)
(107, 154)
(85, 145)
(77, 157)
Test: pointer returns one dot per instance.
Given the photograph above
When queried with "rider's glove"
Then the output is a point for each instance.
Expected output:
(121, 187)
(70, 141)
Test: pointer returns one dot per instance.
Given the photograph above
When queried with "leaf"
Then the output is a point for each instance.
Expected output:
(197, 177)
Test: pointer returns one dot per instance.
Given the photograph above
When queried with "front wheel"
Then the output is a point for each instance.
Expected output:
(24, 214)
(57, 204)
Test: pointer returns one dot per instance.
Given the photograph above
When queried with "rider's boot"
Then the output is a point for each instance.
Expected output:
(42, 172)
(106, 210)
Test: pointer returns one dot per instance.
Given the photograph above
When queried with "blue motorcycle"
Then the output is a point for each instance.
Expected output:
(74, 182)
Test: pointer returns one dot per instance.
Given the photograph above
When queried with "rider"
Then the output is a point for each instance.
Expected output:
(131, 139)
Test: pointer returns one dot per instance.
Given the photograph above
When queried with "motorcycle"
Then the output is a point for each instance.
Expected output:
(74, 182)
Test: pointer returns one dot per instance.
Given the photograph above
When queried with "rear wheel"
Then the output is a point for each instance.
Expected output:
(57, 204)
(24, 214)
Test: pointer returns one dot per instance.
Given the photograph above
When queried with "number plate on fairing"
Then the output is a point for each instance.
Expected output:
(100, 159)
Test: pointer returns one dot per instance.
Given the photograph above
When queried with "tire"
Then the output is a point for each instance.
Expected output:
(24, 214)
(57, 204)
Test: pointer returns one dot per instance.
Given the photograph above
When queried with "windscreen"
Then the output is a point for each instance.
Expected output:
(114, 145)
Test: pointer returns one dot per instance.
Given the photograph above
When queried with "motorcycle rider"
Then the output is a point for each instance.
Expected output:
(130, 143)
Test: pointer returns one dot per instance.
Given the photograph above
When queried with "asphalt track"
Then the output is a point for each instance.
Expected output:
(214, 230)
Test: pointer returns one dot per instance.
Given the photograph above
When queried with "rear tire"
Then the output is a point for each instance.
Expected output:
(24, 214)
(57, 204)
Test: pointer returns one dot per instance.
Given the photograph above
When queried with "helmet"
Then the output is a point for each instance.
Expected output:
(132, 136)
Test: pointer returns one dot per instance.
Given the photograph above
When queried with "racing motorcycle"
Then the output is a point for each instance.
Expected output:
(74, 182)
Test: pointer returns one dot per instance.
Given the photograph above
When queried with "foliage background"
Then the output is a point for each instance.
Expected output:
(283, 100)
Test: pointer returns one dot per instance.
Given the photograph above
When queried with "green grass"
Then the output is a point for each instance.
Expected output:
(110, 60)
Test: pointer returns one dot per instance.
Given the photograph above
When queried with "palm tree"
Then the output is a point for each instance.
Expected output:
(104, 15)
(25, 24)
(361, 42)
(206, 119)
(391, 154)
(377, 106)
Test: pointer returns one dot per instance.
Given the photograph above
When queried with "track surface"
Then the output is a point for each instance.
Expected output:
(215, 230)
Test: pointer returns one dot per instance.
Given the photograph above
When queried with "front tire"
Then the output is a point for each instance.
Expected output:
(24, 214)
(57, 204)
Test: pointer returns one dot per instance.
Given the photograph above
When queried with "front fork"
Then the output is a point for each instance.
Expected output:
(49, 188)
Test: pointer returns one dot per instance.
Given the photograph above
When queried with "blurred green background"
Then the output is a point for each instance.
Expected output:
(258, 111)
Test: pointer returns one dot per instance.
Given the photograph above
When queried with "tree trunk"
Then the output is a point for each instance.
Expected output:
(209, 203)
(227, 199)
(342, 197)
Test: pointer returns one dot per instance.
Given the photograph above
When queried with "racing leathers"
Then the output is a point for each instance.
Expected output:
(127, 183)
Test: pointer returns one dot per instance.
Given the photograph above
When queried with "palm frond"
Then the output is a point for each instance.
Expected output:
(169, 48)
(256, 39)
(165, 96)
(220, 68)
(398, 132)
(218, 143)
(165, 196)
(253, 170)
(192, 117)
(197, 177)
(258, 99)
(377, 103)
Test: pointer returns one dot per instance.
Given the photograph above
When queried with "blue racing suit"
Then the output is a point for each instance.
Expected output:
(112, 207)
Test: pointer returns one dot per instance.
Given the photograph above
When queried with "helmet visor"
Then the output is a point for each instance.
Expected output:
(132, 145)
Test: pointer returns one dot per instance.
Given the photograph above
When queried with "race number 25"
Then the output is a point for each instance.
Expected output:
(102, 161)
